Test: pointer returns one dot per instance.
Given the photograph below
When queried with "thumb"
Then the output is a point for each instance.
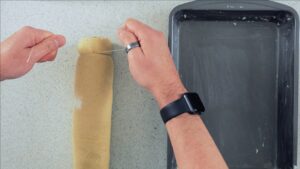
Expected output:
(45, 47)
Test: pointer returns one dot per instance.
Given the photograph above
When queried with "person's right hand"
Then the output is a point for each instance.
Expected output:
(151, 65)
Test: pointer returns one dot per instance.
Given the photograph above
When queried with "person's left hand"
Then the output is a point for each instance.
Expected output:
(26, 47)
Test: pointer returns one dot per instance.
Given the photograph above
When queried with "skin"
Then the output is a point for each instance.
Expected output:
(152, 67)
(40, 45)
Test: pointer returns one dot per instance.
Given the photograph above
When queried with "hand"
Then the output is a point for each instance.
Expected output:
(26, 47)
(151, 65)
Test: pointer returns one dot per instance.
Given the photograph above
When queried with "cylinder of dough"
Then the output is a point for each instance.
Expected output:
(92, 119)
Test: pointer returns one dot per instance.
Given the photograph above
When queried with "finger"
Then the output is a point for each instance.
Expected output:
(127, 37)
(46, 46)
(49, 57)
(138, 28)
(40, 35)
(33, 36)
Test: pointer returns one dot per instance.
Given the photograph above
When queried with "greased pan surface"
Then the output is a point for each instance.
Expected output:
(242, 59)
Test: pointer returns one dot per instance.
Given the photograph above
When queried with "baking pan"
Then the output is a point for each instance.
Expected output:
(242, 59)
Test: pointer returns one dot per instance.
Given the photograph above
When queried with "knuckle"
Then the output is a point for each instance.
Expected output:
(42, 60)
(52, 58)
(160, 34)
(156, 35)
(49, 57)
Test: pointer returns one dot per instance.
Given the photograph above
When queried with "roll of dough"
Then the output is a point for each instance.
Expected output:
(92, 120)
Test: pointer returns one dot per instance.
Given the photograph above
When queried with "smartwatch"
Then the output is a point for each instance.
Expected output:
(187, 103)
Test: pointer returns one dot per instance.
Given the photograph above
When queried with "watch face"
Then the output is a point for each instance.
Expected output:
(194, 102)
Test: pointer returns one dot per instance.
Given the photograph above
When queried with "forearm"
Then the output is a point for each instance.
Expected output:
(193, 146)
(192, 143)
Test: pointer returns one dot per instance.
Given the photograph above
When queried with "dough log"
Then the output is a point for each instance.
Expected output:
(92, 120)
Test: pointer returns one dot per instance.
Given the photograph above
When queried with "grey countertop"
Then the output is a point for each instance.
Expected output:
(36, 110)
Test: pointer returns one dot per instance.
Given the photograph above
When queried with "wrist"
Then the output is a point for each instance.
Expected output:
(170, 93)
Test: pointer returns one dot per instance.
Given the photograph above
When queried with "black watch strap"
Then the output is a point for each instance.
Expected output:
(188, 103)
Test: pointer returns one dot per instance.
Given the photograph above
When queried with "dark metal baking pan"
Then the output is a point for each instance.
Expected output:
(242, 59)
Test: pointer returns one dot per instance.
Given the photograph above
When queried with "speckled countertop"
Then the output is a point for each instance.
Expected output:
(36, 110)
